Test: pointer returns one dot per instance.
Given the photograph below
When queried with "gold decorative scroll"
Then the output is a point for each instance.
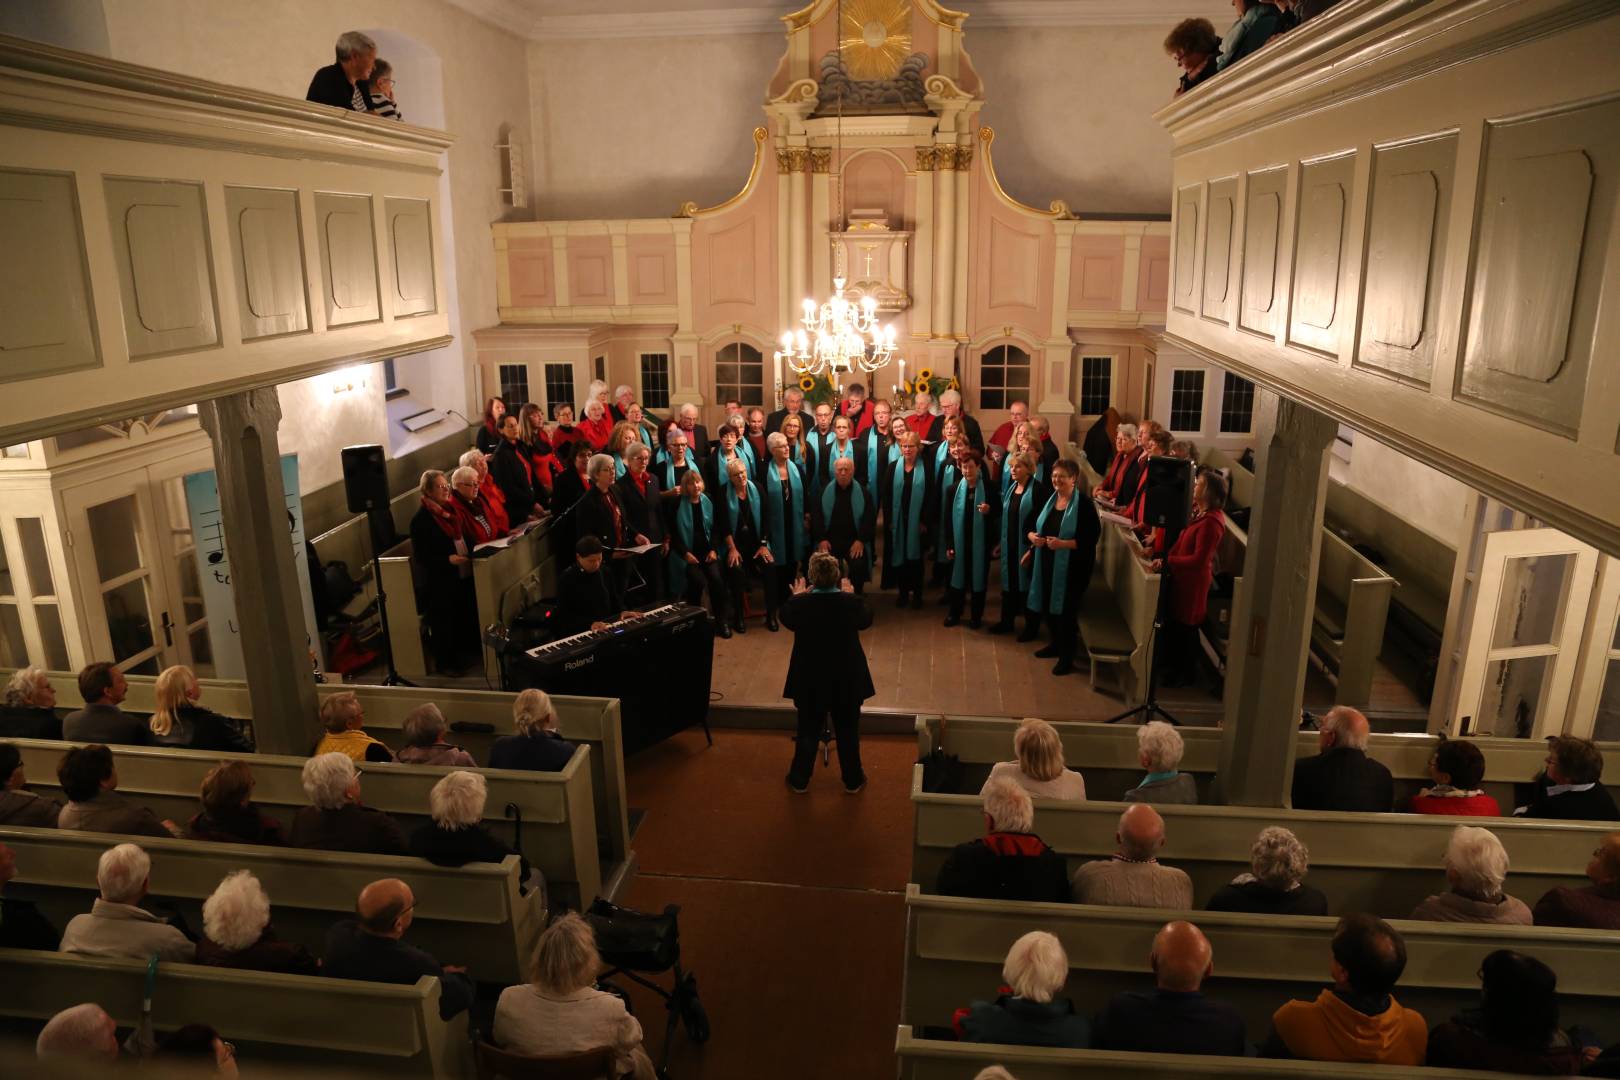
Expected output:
(1059, 210)
(874, 38)
(690, 209)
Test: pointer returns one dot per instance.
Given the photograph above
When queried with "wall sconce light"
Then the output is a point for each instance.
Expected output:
(344, 380)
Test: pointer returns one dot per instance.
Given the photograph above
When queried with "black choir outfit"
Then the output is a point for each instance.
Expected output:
(818, 442)
(969, 538)
(945, 475)
(1058, 579)
(875, 453)
(786, 532)
(693, 542)
(585, 598)
(644, 512)
(970, 428)
(1017, 520)
(716, 466)
(445, 591)
(827, 679)
(514, 475)
(905, 511)
(669, 472)
(601, 515)
(740, 523)
(839, 517)
(568, 490)
(827, 456)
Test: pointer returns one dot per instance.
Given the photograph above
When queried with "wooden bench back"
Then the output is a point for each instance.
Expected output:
(1136, 592)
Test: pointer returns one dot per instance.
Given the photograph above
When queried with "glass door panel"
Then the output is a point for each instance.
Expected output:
(124, 581)
(186, 630)
(1596, 712)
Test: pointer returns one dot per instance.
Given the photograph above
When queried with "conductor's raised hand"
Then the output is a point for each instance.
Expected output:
(800, 586)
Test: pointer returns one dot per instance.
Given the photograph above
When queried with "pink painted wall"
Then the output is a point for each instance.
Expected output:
(590, 270)
(1096, 273)
(1153, 283)
(651, 262)
(734, 278)
(530, 264)
(1010, 283)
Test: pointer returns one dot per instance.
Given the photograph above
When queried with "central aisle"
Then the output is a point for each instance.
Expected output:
(793, 911)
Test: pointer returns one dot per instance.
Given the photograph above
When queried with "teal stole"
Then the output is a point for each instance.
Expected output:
(828, 456)
(965, 508)
(948, 476)
(746, 449)
(906, 532)
(1012, 562)
(780, 549)
(819, 443)
(857, 508)
(753, 507)
(1037, 601)
(648, 436)
(722, 463)
(873, 453)
(669, 470)
(618, 466)
(683, 526)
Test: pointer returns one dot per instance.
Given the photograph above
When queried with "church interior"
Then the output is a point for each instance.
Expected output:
(352, 393)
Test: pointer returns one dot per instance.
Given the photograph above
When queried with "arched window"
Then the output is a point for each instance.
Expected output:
(739, 372)
(1003, 377)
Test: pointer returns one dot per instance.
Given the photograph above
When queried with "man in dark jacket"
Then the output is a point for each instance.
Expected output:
(1175, 1017)
(342, 85)
(827, 674)
(792, 405)
(101, 720)
(368, 947)
(1341, 776)
(950, 407)
(1009, 862)
(1571, 787)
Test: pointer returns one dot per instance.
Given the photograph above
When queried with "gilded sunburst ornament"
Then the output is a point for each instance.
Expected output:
(875, 38)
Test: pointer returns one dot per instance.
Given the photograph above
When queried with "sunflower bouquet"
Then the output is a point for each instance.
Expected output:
(817, 389)
(927, 382)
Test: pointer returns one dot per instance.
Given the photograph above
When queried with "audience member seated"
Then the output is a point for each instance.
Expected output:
(1158, 750)
(1040, 769)
(559, 1012)
(1028, 1012)
(342, 716)
(1134, 877)
(1591, 907)
(29, 709)
(101, 720)
(368, 947)
(536, 747)
(83, 1033)
(335, 820)
(21, 924)
(1358, 1018)
(1194, 46)
(1515, 1029)
(180, 721)
(1341, 776)
(89, 781)
(424, 732)
(1476, 867)
(228, 814)
(340, 84)
(1275, 884)
(18, 805)
(195, 1050)
(457, 835)
(1009, 862)
(1175, 1017)
(1571, 787)
(116, 924)
(237, 934)
(1257, 22)
(1456, 769)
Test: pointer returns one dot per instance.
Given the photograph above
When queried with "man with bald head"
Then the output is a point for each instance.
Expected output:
(1341, 776)
(368, 947)
(1134, 877)
(1175, 1017)
(1592, 907)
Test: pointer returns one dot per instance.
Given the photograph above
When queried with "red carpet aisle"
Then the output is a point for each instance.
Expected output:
(792, 910)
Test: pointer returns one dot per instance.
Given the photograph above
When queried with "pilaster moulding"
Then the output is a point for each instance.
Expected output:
(1059, 210)
(784, 163)
(529, 336)
(632, 316)
(792, 110)
(855, 127)
(1130, 320)
(820, 159)
(1127, 229)
(926, 158)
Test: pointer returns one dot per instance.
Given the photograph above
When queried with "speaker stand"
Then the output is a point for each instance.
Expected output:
(393, 677)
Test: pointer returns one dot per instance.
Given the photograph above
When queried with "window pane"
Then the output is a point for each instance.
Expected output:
(50, 634)
(129, 621)
(1513, 696)
(1608, 711)
(1531, 608)
(1018, 378)
(13, 652)
(1186, 401)
(1237, 405)
(727, 374)
(149, 666)
(993, 376)
(514, 386)
(655, 380)
(1096, 384)
(992, 399)
(31, 531)
(559, 386)
(113, 533)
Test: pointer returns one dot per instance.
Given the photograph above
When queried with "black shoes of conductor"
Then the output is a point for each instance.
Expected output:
(723, 631)
(770, 624)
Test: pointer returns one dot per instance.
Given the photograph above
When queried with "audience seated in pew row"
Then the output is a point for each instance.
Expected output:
(1476, 868)
(237, 932)
(1159, 751)
(228, 814)
(335, 820)
(117, 925)
(90, 783)
(1340, 776)
(424, 731)
(21, 924)
(18, 805)
(1275, 884)
(1457, 769)
(456, 836)
(1134, 877)
(180, 721)
(1009, 862)
(1038, 767)
(537, 746)
(29, 708)
(103, 687)
(343, 716)
(1570, 788)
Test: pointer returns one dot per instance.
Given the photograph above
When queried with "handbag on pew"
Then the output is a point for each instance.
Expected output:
(634, 940)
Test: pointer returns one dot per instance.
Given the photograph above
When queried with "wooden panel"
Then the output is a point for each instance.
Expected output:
(1218, 248)
(160, 240)
(1262, 250)
(268, 251)
(410, 233)
(1153, 280)
(348, 258)
(731, 265)
(1546, 206)
(1186, 247)
(1014, 267)
(1324, 206)
(1410, 202)
(45, 317)
(531, 266)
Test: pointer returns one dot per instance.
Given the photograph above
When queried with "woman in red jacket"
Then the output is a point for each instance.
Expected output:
(1191, 563)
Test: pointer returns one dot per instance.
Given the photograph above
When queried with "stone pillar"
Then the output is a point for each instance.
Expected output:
(798, 226)
(264, 578)
(1271, 626)
(944, 242)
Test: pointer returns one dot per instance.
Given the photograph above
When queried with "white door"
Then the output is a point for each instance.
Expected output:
(1525, 636)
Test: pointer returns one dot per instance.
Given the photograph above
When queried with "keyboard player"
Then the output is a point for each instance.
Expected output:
(589, 596)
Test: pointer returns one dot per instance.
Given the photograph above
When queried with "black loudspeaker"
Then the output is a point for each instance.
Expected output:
(365, 478)
(1168, 502)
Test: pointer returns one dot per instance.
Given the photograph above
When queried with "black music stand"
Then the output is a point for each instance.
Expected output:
(1170, 512)
(380, 529)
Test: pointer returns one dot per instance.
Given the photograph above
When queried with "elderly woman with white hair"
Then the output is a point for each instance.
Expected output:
(29, 708)
(1009, 862)
(494, 503)
(1039, 767)
(559, 1012)
(335, 820)
(597, 425)
(1031, 1013)
(441, 551)
(456, 836)
(478, 518)
(237, 933)
(537, 746)
(1275, 884)
(424, 731)
(117, 925)
(1476, 869)
(1159, 749)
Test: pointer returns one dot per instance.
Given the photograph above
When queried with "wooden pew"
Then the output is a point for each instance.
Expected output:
(955, 948)
(559, 833)
(473, 915)
(1382, 863)
(281, 1018)
(1116, 615)
(1106, 755)
(1352, 604)
(934, 1059)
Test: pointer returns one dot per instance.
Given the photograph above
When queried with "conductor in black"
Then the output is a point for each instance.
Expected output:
(827, 675)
